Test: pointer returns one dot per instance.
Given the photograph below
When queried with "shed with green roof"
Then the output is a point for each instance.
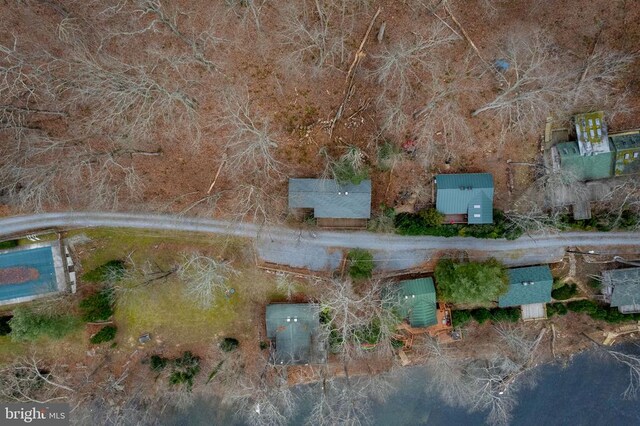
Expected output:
(294, 332)
(417, 301)
(527, 286)
(621, 287)
(467, 194)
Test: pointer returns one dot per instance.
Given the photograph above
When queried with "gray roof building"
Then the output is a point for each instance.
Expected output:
(621, 288)
(294, 330)
(468, 194)
(328, 199)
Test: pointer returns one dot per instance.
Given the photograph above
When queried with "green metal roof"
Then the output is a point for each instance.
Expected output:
(585, 167)
(295, 329)
(527, 285)
(626, 286)
(469, 193)
(627, 147)
(329, 199)
(417, 301)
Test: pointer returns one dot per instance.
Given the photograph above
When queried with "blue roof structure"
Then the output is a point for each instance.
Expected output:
(329, 199)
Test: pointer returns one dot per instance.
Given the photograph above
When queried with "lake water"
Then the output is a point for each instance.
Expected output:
(585, 392)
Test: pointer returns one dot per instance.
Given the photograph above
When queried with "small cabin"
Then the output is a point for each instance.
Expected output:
(530, 288)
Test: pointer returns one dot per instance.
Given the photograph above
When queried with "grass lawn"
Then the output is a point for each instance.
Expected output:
(161, 307)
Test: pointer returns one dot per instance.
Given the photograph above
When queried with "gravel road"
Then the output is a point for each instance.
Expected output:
(317, 250)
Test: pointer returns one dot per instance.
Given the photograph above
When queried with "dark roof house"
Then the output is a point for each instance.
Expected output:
(331, 200)
(465, 197)
(627, 152)
(621, 288)
(417, 301)
(529, 287)
(294, 330)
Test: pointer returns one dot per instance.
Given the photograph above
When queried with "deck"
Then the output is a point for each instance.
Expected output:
(455, 218)
(342, 223)
(441, 330)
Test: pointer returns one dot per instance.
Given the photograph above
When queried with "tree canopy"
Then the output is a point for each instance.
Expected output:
(471, 282)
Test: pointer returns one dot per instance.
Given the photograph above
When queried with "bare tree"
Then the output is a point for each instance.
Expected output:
(348, 400)
(286, 284)
(632, 362)
(257, 203)
(353, 315)
(198, 44)
(27, 379)
(312, 35)
(266, 400)
(600, 77)
(535, 86)
(399, 67)
(485, 383)
(400, 64)
(205, 278)
(123, 99)
(249, 140)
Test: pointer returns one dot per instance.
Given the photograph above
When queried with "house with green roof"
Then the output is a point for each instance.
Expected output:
(621, 289)
(465, 198)
(584, 167)
(416, 301)
(295, 334)
(333, 204)
(530, 288)
(627, 152)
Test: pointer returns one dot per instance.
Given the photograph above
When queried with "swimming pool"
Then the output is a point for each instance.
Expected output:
(20, 266)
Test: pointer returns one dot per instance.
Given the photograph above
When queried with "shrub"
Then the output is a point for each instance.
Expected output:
(112, 270)
(481, 315)
(8, 244)
(431, 217)
(345, 172)
(383, 221)
(506, 315)
(561, 308)
(595, 284)
(360, 264)
(586, 306)
(97, 307)
(263, 345)
(565, 292)
(387, 152)
(471, 282)
(5, 328)
(29, 325)
(368, 334)
(185, 370)
(105, 334)
(157, 363)
(460, 318)
(428, 223)
(229, 344)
